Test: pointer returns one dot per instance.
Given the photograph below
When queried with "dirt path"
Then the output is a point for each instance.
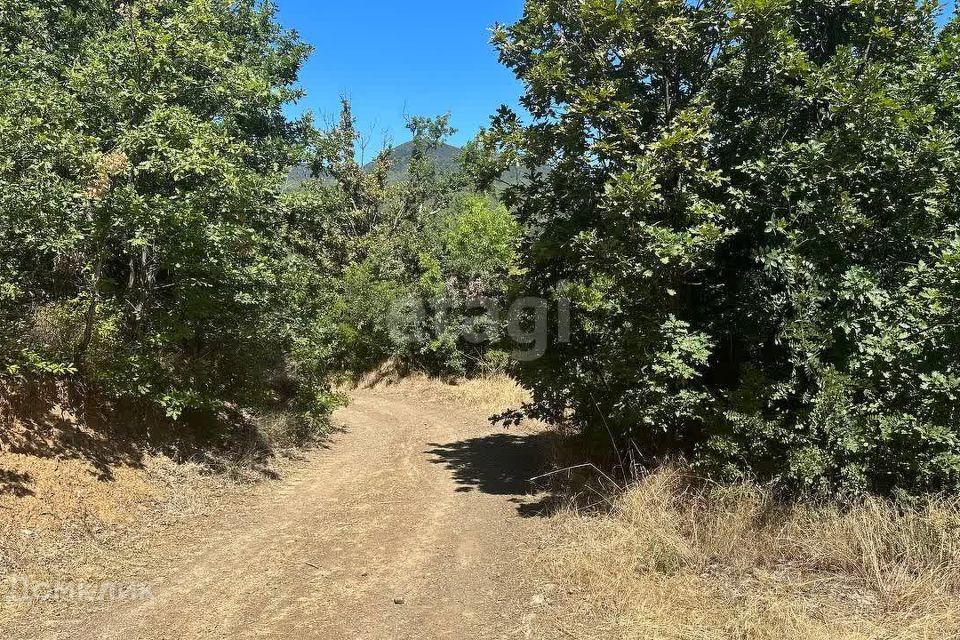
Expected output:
(416, 523)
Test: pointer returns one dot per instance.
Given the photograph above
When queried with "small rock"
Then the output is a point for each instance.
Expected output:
(398, 601)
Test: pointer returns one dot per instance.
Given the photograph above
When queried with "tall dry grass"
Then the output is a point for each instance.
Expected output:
(492, 393)
(679, 558)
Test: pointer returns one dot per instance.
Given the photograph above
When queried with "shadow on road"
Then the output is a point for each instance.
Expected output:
(500, 464)
(15, 483)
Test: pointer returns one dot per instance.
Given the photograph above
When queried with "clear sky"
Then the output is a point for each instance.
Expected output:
(390, 57)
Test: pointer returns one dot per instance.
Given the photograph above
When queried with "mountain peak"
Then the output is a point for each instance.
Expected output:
(445, 156)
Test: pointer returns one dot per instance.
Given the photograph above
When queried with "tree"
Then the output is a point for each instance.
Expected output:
(143, 146)
(753, 206)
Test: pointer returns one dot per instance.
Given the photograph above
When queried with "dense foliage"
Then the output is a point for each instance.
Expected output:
(754, 206)
(152, 251)
(402, 260)
(143, 148)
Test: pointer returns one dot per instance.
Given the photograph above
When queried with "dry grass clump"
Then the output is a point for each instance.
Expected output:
(674, 558)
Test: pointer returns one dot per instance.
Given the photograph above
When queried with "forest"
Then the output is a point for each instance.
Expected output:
(753, 216)
(721, 234)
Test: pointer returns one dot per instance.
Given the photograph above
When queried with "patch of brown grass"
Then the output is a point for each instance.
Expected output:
(491, 394)
(677, 559)
(81, 501)
(67, 523)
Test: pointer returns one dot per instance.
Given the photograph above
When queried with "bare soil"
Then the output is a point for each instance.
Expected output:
(417, 521)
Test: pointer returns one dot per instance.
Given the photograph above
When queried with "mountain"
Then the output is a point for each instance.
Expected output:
(297, 176)
(445, 156)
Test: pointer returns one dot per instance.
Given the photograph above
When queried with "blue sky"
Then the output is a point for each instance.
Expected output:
(422, 57)
(390, 57)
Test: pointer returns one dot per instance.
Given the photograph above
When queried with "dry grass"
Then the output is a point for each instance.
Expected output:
(82, 504)
(494, 393)
(71, 525)
(676, 559)
(490, 394)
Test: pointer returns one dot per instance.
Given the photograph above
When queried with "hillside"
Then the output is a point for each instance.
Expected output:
(445, 156)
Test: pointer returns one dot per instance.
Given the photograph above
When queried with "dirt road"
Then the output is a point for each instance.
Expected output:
(417, 522)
